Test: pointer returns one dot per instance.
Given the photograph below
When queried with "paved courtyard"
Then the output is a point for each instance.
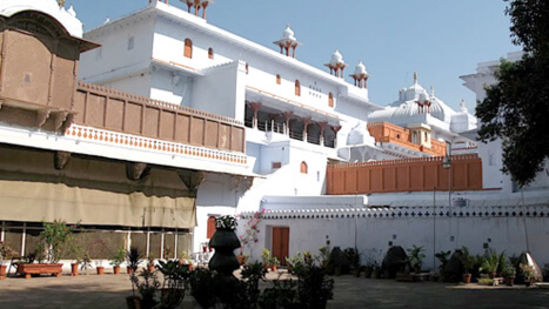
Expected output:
(109, 291)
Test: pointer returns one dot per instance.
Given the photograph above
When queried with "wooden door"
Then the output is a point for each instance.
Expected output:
(281, 243)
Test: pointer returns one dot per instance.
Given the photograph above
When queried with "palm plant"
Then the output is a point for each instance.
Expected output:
(415, 257)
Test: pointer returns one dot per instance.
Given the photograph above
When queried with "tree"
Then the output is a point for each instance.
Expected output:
(516, 108)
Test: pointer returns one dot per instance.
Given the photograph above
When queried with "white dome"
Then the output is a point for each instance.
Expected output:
(288, 34)
(66, 18)
(337, 58)
(360, 69)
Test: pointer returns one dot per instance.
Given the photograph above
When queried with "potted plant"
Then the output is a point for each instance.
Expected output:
(186, 260)
(528, 273)
(53, 239)
(77, 255)
(100, 268)
(117, 259)
(133, 259)
(242, 257)
(509, 273)
(468, 262)
(150, 264)
(268, 261)
(415, 257)
(224, 241)
(6, 253)
(86, 263)
(490, 264)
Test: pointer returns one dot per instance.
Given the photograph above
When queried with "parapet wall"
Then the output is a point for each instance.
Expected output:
(408, 175)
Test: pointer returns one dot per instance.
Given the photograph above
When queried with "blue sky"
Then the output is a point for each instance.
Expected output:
(440, 39)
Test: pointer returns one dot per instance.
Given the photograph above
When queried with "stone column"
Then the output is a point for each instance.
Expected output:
(305, 126)
(335, 129)
(255, 108)
(287, 116)
(322, 125)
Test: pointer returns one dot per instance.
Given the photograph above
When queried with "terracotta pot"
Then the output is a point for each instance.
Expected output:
(274, 267)
(467, 278)
(116, 270)
(74, 269)
(241, 259)
(510, 281)
(100, 270)
(3, 272)
(150, 268)
(129, 270)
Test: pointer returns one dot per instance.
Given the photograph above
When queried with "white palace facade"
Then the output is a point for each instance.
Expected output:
(265, 131)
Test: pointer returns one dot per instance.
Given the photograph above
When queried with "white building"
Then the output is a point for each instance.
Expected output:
(298, 119)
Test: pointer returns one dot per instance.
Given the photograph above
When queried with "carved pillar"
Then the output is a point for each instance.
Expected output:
(255, 108)
(306, 122)
(204, 6)
(287, 116)
(322, 125)
(335, 129)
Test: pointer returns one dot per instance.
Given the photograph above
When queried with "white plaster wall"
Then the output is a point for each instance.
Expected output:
(218, 195)
(372, 236)
(136, 84)
(113, 55)
(220, 91)
(171, 87)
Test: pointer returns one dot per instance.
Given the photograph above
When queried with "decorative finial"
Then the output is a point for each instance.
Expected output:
(432, 91)
(415, 77)
(61, 3)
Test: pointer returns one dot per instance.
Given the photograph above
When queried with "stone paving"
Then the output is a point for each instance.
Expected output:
(109, 291)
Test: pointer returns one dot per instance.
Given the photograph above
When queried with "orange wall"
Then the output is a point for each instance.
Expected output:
(421, 174)
(386, 132)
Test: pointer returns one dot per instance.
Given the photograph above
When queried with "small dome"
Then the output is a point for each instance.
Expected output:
(337, 58)
(288, 34)
(360, 69)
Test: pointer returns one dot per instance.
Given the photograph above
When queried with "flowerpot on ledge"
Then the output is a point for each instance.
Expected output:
(74, 269)
(116, 270)
(150, 268)
(100, 270)
(129, 270)
(467, 278)
(3, 272)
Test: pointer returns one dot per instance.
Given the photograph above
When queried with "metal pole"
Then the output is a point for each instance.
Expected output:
(434, 227)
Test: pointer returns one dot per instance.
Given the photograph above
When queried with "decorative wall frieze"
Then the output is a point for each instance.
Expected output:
(405, 212)
(154, 145)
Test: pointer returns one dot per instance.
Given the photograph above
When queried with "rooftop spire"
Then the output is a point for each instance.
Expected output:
(415, 77)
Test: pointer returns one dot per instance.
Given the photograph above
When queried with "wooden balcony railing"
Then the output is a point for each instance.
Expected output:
(114, 110)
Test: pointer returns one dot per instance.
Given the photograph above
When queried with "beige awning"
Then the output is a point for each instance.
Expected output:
(90, 191)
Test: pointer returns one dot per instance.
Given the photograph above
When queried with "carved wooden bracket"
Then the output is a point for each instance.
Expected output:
(242, 183)
(61, 159)
(192, 180)
(136, 170)
(42, 116)
(59, 118)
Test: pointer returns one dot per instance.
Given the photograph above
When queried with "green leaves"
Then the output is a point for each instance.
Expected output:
(515, 109)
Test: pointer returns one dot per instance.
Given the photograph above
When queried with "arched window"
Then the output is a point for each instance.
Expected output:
(211, 227)
(297, 88)
(188, 48)
(278, 79)
(304, 168)
(210, 53)
(330, 100)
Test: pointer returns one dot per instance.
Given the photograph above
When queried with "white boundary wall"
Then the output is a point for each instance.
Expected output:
(512, 229)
